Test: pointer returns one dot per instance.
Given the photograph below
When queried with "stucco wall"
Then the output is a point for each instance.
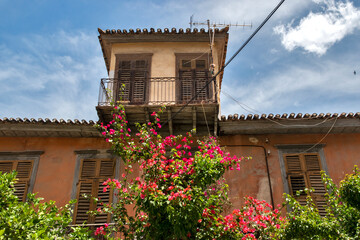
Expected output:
(56, 167)
(341, 154)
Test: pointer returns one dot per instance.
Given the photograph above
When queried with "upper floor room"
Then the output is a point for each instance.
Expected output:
(144, 63)
(152, 68)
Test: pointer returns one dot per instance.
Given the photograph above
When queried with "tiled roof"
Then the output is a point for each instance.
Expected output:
(285, 116)
(160, 31)
(290, 123)
(25, 127)
(47, 120)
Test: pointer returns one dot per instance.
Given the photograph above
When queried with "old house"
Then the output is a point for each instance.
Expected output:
(61, 159)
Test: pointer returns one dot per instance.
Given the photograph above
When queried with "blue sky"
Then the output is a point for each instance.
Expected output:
(303, 59)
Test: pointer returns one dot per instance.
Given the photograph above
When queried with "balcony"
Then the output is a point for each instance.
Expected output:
(142, 96)
(155, 91)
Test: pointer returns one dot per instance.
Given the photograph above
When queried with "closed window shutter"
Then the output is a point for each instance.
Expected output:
(104, 198)
(23, 169)
(6, 167)
(201, 80)
(303, 171)
(93, 173)
(83, 202)
(193, 76)
(132, 80)
(187, 84)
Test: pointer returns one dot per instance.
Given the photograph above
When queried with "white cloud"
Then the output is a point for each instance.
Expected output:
(317, 32)
(51, 76)
(316, 86)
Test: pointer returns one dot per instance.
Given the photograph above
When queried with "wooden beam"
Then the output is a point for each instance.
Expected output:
(170, 123)
(215, 122)
(146, 112)
(194, 118)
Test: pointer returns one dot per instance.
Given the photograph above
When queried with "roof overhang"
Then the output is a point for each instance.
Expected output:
(47, 128)
(307, 124)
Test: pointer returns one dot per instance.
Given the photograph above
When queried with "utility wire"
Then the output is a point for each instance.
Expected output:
(276, 122)
(227, 63)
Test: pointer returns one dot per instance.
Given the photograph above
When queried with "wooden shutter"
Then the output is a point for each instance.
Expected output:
(186, 84)
(201, 79)
(193, 76)
(104, 199)
(23, 169)
(303, 171)
(133, 76)
(6, 167)
(93, 173)
(83, 202)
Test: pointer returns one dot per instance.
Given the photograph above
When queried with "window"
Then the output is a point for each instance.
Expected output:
(302, 170)
(93, 173)
(132, 79)
(25, 164)
(193, 73)
(92, 168)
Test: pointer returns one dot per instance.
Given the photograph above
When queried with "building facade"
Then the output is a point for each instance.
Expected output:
(61, 160)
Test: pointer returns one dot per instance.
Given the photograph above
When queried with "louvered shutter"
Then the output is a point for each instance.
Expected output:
(201, 78)
(295, 174)
(92, 174)
(186, 84)
(313, 168)
(23, 169)
(6, 167)
(85, 191)
(123, 82)
(139, 87)
(133, 80)
(23, 174)
(104, 198)
(303, 171)
(193, 76)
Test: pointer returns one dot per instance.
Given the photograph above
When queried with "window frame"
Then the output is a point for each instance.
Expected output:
(193, 57)
(134, 57)
(33, 156)
(297, 149)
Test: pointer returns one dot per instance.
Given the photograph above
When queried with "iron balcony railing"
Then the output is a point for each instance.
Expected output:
(156, 91)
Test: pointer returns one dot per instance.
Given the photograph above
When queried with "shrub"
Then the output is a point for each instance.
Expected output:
(34, 219)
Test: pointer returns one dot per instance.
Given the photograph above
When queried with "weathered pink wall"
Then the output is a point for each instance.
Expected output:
(56, 168)
(341, 151)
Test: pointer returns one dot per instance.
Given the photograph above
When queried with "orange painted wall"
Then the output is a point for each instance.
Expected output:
(56, 168)
(342, 152)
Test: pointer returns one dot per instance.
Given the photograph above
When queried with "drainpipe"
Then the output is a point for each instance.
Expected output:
(267, 166)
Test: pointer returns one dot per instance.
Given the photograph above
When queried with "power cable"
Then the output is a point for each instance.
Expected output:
(227, 63)
(276, 122)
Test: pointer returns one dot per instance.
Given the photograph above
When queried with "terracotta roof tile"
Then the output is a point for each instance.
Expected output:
(285, 116)
(160, 31)
(47, 121)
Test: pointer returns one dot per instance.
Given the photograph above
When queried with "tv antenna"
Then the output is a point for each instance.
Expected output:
(214, 25)
(211, 29)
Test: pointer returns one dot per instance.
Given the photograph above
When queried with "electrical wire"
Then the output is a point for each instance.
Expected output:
(276, 122)
(322, 139)
(227, 63)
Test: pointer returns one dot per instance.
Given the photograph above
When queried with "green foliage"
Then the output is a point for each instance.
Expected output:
(350, 189)
(342, 219)
(34, 219)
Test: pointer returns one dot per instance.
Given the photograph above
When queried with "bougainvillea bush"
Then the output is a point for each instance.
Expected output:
(179, 191)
